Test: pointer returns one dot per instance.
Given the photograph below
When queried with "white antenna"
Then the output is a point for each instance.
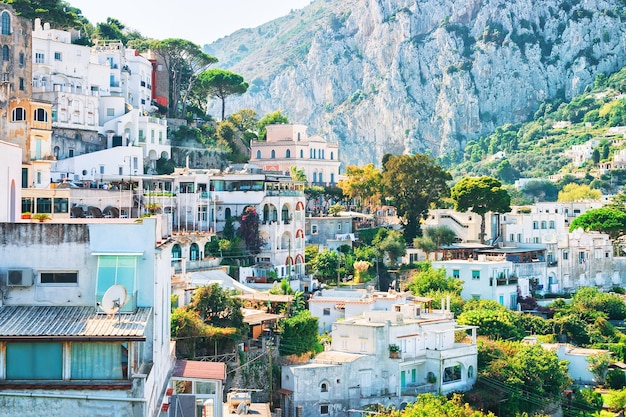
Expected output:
(113, 299)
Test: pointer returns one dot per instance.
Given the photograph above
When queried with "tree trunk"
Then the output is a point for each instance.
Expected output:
(482, 228)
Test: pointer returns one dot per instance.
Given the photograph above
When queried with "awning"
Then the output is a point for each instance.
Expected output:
(77, 323)
(199, 370)
(283, 391)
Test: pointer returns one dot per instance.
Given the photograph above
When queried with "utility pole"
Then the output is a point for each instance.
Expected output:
(269, 348)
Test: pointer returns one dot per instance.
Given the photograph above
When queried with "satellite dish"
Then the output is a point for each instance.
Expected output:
(113, 299)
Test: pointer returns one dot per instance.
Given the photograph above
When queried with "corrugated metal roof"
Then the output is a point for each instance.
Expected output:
(70, 323)
(199, 370)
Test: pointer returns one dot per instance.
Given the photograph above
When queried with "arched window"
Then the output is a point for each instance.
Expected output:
(258, 154)
(194, 252)
(6, 23)
(470, 372)
(5, 53)
(301, 153)
(273, 154)
(176, 252)
(332, 155)
(324, 387)
(41, 115)
(288, 153)
(56, 151)
(314, 177)
(227, 213)
(332, 178)
(18, 114)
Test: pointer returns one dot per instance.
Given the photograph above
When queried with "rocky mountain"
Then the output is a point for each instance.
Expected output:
(394, 76)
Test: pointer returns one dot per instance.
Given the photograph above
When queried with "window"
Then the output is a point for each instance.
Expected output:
(21, 84)
(332, 155)
(324, 409)
(6, 23)
(536, 240)
(301, 153)
(113, 269)
(456, 273)
(313, 229)
(338, 226)
(258, 154)
(475, 274)
(41, 115)
(326, 312)
(44, 205)
(324, 387)
(110, 112)
(332, 178)
(18, 114)
(59, 278)
(543, 224)
(452, 373)
(58, 56)
(60, 205)
(22, 60)
(70, 153)
(273, 154)
(5, 53)
(535, 225)
(26, 360)
(39, 58)
(102, 360)
(565, 256)
(288, 153)
(551, 224)
(519, 238)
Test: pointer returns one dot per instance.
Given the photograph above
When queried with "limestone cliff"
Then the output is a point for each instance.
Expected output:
(394, 76)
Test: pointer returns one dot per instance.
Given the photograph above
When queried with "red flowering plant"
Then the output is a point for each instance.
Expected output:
(249, 230)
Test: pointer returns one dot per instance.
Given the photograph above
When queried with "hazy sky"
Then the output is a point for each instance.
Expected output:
(200, 21)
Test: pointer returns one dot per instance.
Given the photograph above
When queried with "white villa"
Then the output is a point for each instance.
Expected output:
(330, 305)
(361, 369)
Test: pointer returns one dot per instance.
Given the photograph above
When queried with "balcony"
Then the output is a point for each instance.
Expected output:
(501, 280)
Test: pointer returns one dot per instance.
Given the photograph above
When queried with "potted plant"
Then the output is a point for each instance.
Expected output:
(26, 215)
(394, 351)
(41, 217)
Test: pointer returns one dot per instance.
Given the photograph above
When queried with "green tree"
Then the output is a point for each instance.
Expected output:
(532, 375)
(430, 279)
(426, 245)
(274, 118)
(216, 307)
(414, 182)
(362, 184)
(495, 324)
(299, 334)
(183, 61)
(575, 192)
(58, 13)
(431, 405)
(221, 84)
(441, 235)
(325, 264)
(616, 400)
(584, 402)
(541, 191)
(606, 220)
(392, 244)
(480, 195)
(599, 365)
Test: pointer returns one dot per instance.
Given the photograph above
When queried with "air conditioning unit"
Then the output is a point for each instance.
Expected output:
(20, 277)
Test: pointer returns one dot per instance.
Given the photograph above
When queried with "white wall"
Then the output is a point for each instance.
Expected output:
(10, 182)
